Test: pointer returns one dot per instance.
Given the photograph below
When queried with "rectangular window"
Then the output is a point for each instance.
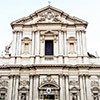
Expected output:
(48, 47)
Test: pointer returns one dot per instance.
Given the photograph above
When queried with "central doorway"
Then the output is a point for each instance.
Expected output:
(49, 97)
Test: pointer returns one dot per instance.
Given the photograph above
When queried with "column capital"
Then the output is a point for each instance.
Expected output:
(98, 76)
(11, 76)
(66, 75)
(86, 75)
(32, 75)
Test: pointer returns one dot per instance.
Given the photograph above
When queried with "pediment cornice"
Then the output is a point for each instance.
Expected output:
(48, 14)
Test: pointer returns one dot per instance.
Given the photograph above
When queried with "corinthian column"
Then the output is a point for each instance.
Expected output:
(37, 47)
(67, 88)
(88, 87)
(33, 43)
(31, 88)
(61, 88)
(14, 44)
(78, 43)
(10, 87)
(60, 47)
(81, 87)
(16, 89)
(36, 79)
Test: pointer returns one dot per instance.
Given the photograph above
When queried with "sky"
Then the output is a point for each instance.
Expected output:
(88, 10)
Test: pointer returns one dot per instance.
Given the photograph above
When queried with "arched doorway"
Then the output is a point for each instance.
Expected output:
(49, 91)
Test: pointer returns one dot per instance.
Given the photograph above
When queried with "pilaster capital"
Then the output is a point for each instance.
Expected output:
(37, 75)
(17, 31)
(31, 76)
(61, 75)
(80, 31)
(84, 75)
(98, 76)
(11, 76)
(66, 75)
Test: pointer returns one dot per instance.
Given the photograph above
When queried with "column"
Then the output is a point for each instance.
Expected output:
(78, 43)
(81, 88)
(31, 88)
(17, 42)
(67, 87)
(36, 87)
(88, 87)
(85, 50)
(60, 47)
(82, 43)
(55, 46)
(14, 43)
(16, 90)
(64, 50)
(10, 87)
(20, 42)
(64, 43)
(61, 88)
(33, 48)
(84, 87)
(37, 47)
(42, 46)
(99, 86)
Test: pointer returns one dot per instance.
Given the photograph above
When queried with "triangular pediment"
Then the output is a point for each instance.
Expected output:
(49, 14)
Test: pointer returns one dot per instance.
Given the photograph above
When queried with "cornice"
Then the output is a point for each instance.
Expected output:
(78, 66)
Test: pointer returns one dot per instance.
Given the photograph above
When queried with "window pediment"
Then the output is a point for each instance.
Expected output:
(74, 89)
(23, 89)
(73, 39)
(26, 39)
(95, 90)
(49, 33)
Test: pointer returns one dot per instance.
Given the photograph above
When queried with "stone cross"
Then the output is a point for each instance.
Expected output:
(49, 2)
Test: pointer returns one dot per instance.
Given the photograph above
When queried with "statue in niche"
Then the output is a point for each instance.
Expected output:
(23, 97)
(95, 97)
(74, 97)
